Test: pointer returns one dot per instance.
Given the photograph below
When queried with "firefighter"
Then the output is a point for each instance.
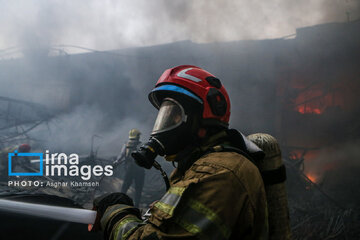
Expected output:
(216, 192)
(133, 173)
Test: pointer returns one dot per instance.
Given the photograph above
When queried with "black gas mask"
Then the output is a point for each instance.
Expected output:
(173, 130)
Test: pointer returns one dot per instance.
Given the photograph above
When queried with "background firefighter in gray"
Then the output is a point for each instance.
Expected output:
(133, 173)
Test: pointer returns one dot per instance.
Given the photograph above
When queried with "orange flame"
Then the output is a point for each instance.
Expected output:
(305, 109)
(312, 177)
(316, 100)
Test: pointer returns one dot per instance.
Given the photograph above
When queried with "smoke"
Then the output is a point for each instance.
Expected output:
(113, 24)
(87, 94)
(336, 170)
(75, 130)
(106, 93)
(102, 95)
(339, 157)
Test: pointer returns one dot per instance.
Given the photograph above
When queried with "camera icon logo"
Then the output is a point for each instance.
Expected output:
(15, 156)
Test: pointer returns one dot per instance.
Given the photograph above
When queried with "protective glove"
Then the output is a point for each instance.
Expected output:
(100, 204)
(103, 202)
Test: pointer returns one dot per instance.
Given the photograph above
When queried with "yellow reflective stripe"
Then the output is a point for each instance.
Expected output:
(210, 215)
(170, 200)
(166, 208)
(176, 190)
(196, 223)
(120, 227)
(191, 228)
(127, 234)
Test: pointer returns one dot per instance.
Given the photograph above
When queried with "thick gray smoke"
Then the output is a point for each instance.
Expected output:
(74, 131)
(106, 93)
(87, 95)
(113, 24)
(103, 94)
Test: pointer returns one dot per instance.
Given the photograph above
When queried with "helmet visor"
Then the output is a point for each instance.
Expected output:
(171, 114)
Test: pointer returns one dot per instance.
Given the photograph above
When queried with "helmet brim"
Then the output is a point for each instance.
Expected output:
(157, 95)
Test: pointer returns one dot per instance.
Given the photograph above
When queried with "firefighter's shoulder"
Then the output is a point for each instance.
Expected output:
(233, 162)
(230, 165)
(201, 202)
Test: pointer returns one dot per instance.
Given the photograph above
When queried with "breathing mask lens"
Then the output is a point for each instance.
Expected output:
(171, 114)
(171, 133)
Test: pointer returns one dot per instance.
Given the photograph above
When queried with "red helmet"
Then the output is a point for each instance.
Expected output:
(199, 85)
(24, 148)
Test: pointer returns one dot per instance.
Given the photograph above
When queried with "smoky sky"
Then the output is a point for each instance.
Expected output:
(111, 24)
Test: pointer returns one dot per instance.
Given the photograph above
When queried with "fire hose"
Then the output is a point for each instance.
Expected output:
(67, 214)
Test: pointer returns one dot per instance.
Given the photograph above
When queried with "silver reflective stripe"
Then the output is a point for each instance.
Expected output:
(125, 229)
(171, 199)
(172, 196)
(183, 74)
